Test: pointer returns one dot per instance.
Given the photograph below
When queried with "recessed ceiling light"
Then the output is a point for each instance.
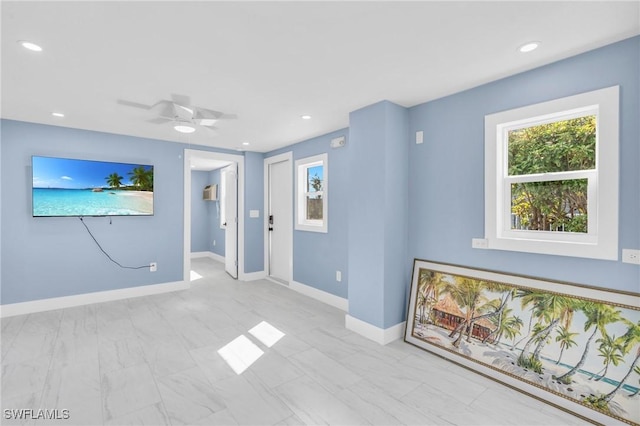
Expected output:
(246, 143)
(528, 47)
(31, 46)
(184, 128)
(306, 117)
(57, 114)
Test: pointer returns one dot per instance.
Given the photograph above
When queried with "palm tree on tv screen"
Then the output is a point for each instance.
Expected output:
(114, 180)
(142, 178)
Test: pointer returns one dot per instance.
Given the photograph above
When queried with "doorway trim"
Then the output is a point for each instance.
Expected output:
(287, 156)
(190, 154)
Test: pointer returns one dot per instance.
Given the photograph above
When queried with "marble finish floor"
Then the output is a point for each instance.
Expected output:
(154, 361)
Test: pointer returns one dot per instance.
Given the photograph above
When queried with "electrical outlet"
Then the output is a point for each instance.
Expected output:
(631, 256)
(480, 243)
(153, 267)
(339, 276)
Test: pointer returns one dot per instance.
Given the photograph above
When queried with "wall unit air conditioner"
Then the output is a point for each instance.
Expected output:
(210, 192)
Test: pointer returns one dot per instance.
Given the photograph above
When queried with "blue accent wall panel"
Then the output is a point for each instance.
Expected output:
(254, 200)
(446, 189)
(378, 217)
(53, 257)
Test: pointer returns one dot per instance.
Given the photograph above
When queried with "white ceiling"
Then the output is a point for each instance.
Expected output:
(271, 62)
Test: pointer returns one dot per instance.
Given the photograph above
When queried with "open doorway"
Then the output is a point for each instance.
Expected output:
(233, 219)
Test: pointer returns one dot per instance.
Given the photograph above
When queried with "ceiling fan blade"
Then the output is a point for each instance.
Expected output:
(203, 113)
(181, 99)
(205, 121)
(133, 104)
(159, 120)
(164, 109)
(182, 112)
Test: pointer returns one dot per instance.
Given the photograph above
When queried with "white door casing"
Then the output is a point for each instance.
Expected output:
(189, 156)
(231, 217)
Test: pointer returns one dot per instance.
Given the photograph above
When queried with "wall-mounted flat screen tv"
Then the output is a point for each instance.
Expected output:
(71, 187)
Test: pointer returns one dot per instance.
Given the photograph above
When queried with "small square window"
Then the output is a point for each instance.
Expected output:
(311, 193)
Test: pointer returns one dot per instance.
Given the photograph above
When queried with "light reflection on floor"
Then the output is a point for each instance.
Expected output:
(241, 352)
(195, 276)
(266, 333)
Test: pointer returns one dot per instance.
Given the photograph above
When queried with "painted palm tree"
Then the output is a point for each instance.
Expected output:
(506, 325)
(469, 294)
(631, 341)
(142, 178)
(550, 310)
(429, 285)
(598, 316)
(114, 180)
(565, 338)
(611, 349)
(636, 370)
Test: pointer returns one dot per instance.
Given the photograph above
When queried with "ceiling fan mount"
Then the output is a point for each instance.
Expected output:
(185, 116)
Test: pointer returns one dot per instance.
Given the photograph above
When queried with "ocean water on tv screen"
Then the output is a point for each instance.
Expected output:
(86, 202)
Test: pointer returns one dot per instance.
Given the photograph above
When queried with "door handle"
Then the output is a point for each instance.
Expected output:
(270, 222)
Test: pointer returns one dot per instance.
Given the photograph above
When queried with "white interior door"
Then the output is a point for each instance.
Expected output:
(231, 217)
(280, 219)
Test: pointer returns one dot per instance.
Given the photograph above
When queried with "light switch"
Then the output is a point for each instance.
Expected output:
(254, 213)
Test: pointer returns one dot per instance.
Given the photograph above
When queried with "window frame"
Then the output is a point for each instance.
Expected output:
(601, 240)
(302, 165)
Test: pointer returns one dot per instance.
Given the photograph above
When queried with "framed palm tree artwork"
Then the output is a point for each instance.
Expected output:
(575, 347)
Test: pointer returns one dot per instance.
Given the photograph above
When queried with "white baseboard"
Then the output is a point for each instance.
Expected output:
(209, 254)
(322, 296)
(253, 276)
(54, 303)
(379, 335)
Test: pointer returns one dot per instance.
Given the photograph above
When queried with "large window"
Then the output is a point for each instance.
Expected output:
(552, 177)
(311, 193)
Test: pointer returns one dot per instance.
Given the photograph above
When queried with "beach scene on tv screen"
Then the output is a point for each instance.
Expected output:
(71, 187)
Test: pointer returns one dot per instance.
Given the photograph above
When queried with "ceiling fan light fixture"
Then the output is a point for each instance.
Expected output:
(184, 128)
(305, 117)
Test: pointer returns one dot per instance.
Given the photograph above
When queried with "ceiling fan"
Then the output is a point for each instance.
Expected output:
(185, 116)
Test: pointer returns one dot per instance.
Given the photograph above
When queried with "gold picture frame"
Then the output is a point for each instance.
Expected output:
(575, 347)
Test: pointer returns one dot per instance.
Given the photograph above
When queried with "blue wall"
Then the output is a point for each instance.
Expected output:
(446, 208)
(378, 260)
(205, 215)
(254, 200)
(200, 220)
(52, 257)
(317, 256)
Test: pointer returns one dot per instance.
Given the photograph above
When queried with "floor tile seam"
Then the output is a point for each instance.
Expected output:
(51, 363)
(14, 337)
(123, 413)
(319, 382)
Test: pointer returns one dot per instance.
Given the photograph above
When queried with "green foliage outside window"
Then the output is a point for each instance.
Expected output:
(560, 205)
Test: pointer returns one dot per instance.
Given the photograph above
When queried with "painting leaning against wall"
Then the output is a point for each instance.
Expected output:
(575, 347)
